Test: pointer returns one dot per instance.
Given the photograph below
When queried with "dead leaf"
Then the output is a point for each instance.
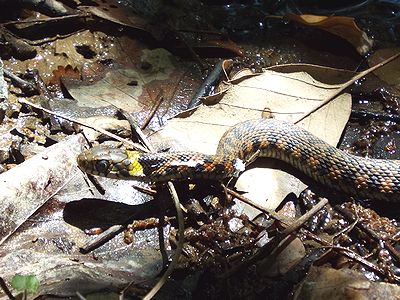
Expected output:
(65, 52)
(210, 47)
(61, 71)
(47, 204)
(114, 12)
(284, 261)
(111, 124)
(136, 89)
(214, 98)
(227, 65)
(242, 75)
(330, 284)
(29, 185)
(345, 27)
(321, 73)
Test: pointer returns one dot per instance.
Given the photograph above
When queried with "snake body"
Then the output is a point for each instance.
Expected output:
(360, 177)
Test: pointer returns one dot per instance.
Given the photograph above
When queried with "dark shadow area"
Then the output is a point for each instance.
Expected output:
(93, 213)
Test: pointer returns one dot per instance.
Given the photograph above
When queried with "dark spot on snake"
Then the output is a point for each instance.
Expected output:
(124, 173)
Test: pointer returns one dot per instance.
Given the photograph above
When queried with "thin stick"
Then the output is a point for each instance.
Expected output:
(290, 228)
(153, 111)
(270, 212)
(379, 240)
(5, 289)
(21, 83)
(346, 252)
(181, 229)
(105, 132)
(49, 19)
(179, 246)
(102, 238)
(347, 84)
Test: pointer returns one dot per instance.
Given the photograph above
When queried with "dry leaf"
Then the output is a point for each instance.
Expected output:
(112, 11)
(345, 27)
(321, 73)
(29, 185)
(136, 89)
(331, 284)
(242, 75)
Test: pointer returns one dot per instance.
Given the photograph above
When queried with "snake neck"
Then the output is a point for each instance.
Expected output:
(186, 165)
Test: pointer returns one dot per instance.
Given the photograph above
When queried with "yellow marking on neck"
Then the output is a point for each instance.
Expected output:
(135, 168)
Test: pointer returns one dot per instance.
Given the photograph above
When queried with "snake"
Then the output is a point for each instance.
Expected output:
(335, 169)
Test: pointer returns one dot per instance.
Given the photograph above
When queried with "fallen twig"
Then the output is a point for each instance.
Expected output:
(105, 132)
(153, 111)
(6, 290)
(272, 247)
(102, 238)
(345, 252)
(346, 85)
(24, 85)
(350, 216)
(181, 227)
(179, 246)
(341, 250)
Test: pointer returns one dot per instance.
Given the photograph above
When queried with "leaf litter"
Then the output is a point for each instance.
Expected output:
(248, 99)
(244, 100)
(265, 93)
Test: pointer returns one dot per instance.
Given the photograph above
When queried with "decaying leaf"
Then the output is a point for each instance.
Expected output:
(137, 89)
(345, 27)
(210, 47)
(330, 284)
(28, 186)
(285, 260)
(47, 205)
(114, 12)
(67, 71)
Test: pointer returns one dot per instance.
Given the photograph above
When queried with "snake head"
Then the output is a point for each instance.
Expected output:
(110, 162)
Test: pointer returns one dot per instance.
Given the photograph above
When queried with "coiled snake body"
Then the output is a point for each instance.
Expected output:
(333, 168)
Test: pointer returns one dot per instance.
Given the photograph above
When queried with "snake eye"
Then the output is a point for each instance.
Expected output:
(102, 166)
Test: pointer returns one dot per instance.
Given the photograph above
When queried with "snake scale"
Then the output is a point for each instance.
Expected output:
(333, 168)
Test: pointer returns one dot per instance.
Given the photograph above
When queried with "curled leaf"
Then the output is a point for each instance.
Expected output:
(345, 27)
